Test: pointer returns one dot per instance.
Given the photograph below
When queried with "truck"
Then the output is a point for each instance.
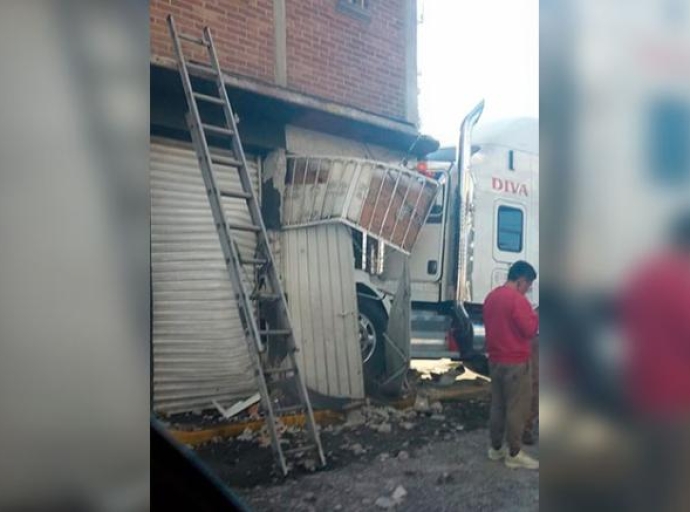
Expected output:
(485, 217)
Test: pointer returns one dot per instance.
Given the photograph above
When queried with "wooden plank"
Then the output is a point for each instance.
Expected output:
(340, 318)
(316, 311)
(330, 314)
(349, 297)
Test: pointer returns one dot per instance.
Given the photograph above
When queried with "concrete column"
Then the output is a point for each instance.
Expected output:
(280, 35)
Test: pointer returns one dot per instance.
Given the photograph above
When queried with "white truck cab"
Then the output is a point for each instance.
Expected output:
(486, 217)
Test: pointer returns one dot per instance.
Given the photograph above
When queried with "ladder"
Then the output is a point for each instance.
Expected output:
(262, 306)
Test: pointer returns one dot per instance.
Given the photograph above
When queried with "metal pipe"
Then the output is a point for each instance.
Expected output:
(464, 155)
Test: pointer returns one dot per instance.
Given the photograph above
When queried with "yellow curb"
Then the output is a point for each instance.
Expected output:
(197, 437)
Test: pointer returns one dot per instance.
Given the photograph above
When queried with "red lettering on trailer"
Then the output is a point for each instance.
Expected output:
(500, 185)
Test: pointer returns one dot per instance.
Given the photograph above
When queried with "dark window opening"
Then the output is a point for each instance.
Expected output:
(510, 229)
(669, 151)
(511, 160)
(355, 8)
(436, 213)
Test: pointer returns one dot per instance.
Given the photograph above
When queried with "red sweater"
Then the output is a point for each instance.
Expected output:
(510, 324)
(656, 317)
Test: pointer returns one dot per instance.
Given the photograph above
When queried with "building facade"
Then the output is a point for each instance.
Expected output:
(325, 77)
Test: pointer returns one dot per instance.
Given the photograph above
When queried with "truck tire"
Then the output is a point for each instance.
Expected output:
(372, 321)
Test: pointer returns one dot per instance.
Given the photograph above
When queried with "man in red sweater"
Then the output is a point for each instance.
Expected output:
(511, 324)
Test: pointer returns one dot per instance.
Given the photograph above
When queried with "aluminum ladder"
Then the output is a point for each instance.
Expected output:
(263, 310)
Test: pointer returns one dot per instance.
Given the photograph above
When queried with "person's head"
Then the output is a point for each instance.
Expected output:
(680, 233)
(521, 275)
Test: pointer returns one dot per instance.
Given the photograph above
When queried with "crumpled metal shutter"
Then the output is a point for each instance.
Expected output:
(199, 349)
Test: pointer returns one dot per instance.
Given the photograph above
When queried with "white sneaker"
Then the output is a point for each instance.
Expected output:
(521, 460)
(499, 454)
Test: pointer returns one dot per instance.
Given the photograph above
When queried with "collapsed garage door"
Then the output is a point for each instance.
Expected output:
(199, 349)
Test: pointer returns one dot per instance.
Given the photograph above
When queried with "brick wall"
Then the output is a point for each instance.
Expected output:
(351, 61)
(330, 54)
(242, 32)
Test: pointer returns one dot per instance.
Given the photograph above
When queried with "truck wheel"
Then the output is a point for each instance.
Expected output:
(372, 322)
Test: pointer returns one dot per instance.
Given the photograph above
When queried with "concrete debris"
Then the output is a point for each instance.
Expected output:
(460, 428)
(438, 417)
(357, 449)
(437, 407)
(310, 496)
(403, 455)
(355, 418)
(338, 507)
(309, 465)
(444, 478)
(385, 502)
(447, 437)
(399, 493)
(407, 425)
(421, 404)
(384, 457)
(247, 435)
(385, 428)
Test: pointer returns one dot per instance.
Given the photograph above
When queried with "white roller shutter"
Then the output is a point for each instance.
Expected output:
(199, 350)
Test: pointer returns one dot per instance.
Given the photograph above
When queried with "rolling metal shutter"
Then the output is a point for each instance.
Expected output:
(199, 349)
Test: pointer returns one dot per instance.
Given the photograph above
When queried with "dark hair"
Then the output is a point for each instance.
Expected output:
(680, 231)
(522, 269)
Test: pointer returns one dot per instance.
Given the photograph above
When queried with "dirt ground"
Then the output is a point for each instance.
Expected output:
(429, 457)
(439, 476)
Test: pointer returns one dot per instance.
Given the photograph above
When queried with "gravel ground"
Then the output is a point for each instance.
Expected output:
(431, 457)
(440, 476)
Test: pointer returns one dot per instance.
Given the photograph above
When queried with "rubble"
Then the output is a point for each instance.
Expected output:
(310, 496)
(438, 417)
(385, 502)
(246, 435)
(444, 478)
(403, 455)
(407, 425)
(399, 493)
(385, 428)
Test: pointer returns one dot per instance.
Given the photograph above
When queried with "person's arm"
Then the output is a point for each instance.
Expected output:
(525, 318)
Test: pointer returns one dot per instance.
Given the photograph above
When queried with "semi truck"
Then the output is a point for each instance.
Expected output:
(485, 217)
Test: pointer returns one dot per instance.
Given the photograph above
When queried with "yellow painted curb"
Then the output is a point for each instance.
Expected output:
(197, 437)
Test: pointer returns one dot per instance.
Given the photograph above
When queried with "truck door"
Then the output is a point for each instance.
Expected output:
(509, 241)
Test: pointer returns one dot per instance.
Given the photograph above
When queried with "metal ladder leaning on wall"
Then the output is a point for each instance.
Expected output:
(267, 295)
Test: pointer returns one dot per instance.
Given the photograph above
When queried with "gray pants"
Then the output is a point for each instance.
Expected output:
(511, 398)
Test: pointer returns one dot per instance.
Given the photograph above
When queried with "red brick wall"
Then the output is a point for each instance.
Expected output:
(330, 54)
(333, 55)
(242, 32)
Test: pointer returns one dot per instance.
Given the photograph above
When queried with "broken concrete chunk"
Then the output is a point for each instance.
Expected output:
(407, 425)
(438, 417)
(355, 418)
(421, 404)
(246, 435)
(403, 455)
(437, 407)
(385, 428)
(384, 457)
(384, 502)
(399, 493)
(357, 449)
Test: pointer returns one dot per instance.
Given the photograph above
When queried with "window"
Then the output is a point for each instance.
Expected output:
(436, 213)
(669, 155)
(355, 8)
(511, 160)
(510, 229)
